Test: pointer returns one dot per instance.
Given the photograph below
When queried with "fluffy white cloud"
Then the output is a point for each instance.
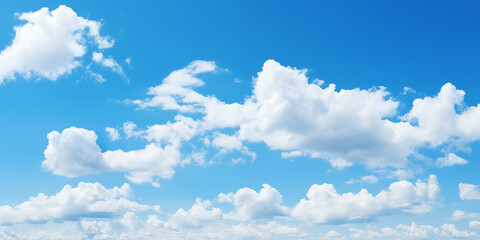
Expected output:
(113, 133)
(438, 120)
(200, 212)
(469, 191)
(325, 205)
(414, 231)
(85, 200)
(459, 215)
(49, 44)
(474, 224)
(450, 160)
(252, 205)
(290, 114)
(74, 152)
(450, 231)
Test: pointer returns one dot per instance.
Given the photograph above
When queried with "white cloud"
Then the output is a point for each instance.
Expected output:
(469, 191)
(340, 163)
(290, 114)
(107, 62)
(341, 126)
(228, 143)
(112, 133)
(438, 120)
(449, 230)
(414, 231)
(131, 226)
(370, 179)
(450, 160)
(74, 152)
(474, 224)
(183, 129)
(407, 90)
(49, 44)
(175, 93)
(402, 174)
(252, 205)
(459, 215)
(85, 200)
(200, 212)
(292, 154)
(325, 205)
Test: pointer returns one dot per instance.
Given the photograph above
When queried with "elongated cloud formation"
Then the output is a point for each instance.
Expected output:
(74, 152)
(71, 203)
(324, 205)
(289, 113)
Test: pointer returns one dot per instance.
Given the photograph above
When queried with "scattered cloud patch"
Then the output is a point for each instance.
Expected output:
(369, 179)
(469, 191)
(450, 160)
(113, 133)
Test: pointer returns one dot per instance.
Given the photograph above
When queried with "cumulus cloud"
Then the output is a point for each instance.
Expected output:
(438, 120)
(290, 113)
(50, 44)
(469, 191)
(474, 224)
(459, 215)
(324, 205)
(72, 203)
(252, 205)
(450, 160)
(74, 152)
(200, 212)
(113, 133)
(450, 231)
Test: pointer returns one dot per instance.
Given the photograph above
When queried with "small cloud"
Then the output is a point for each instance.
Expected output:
(369, 179)
(407, 90)
(450, 160)
(112, 133)
(292, 154)
(340, 163)
(128, 61)
(402, 174)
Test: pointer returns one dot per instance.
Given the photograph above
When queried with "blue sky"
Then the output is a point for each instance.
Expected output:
(208, 101)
